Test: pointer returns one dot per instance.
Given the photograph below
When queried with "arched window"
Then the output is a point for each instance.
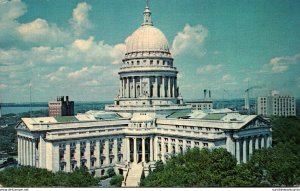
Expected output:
(138, 90)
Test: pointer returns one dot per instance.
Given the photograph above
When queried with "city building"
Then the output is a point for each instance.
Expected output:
(147, 122)
(205, 103)
(61, 107)
(276, 104)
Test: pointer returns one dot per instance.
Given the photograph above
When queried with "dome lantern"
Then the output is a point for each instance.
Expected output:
(147, 16)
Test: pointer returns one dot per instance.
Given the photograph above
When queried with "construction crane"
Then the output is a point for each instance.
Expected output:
(247, 99)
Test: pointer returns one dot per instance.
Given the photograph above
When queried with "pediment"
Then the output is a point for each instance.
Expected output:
(22, 125)
(256, 122)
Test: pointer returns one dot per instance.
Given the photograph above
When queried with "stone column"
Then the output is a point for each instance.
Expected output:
(27, 151)
(162, 142)
(169, 146)
(24, 150)
(134, 87)
(67, 157)
(128, 87)
(176, 146)
(262, 142)
(184, 145)
(77, 154)
(55, 158)
(134, 150)
(97, 153)
(128, 148)
(120, 88)
(30, 152)
(141, 85)
(238, 154)
(229, 145)
(245, 150)
(256, 143)
(123, 87)
(162, 87)
(34, 152)
(155, 148)
(19, 150)
(106, 152)
(151, 148)
(143, 150)
(115, 150)
(250, 147)
(268, 141)
(87, 154)
(169, 86)
(175, 86)
(157, 84)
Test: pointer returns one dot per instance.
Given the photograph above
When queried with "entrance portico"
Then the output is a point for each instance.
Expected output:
(140, 149)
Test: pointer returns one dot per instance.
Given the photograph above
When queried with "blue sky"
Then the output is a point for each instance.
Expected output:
(75, 47)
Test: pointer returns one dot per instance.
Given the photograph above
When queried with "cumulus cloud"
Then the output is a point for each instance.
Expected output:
(281, 64)
(80, 20)
(209, 68)
(41, 32)
(191, 39)
(9, 12)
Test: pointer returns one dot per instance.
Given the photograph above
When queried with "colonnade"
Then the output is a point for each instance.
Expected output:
(140, 149)
(90, 153)
(153, 86)
(27, 151)
(245, 146)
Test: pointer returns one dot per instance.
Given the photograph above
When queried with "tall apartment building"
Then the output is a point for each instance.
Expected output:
(61, 107)
(275, 104)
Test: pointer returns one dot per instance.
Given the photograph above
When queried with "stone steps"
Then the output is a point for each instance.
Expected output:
(134, 175)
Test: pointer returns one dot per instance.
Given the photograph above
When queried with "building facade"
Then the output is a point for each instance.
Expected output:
(148, 121)
(276, 104)
(61, 107)
(205, 103)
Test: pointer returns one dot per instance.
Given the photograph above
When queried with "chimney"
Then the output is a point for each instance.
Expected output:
(67, 98)
(209, 94)
(204, 93)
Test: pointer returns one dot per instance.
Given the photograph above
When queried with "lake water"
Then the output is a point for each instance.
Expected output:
(78, 107)
(7, 110)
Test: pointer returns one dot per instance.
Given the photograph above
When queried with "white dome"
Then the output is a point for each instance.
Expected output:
(147, 38)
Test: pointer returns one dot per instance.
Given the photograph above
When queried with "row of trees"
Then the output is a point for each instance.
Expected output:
(276, 166)
(35, 177)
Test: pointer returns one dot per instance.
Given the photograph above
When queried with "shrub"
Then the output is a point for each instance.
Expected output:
(117, 180)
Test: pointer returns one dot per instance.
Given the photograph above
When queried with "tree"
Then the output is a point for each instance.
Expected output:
(280, 165)
(197, 168)
(111, 172)
(35, 177)
(117, 180)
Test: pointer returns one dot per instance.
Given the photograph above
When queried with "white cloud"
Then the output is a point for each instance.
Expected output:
(9, 12)
(39, 31)
(190, 40)
(80, 20)
(209, 68)
(281, 64)
(79, 73)
(117, 53)
(227, 77)
(3, 86)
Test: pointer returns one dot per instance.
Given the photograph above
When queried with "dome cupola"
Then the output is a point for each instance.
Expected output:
(147, 38)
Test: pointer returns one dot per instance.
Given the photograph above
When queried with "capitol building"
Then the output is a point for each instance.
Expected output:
(149, 121)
